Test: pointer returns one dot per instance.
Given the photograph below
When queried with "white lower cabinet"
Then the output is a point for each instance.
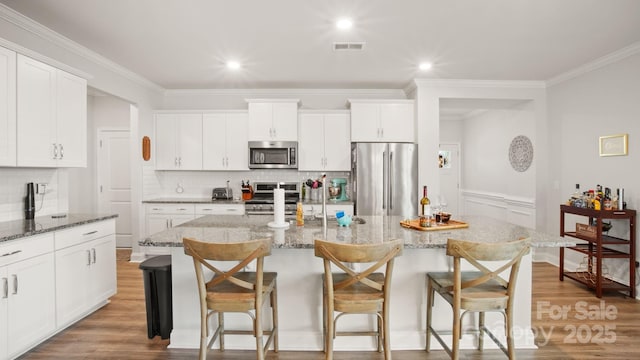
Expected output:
(316, 209)
(27, 298)
(85, 278)
(219, 209)
(51, 280)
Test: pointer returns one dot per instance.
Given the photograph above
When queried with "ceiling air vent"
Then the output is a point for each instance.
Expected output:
(340, 46)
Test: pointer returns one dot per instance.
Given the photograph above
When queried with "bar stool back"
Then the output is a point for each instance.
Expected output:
(477, 291)
(234, 290)
(357, 292)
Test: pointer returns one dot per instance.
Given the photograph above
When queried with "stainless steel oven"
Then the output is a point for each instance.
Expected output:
(273, 155)
(262, 201)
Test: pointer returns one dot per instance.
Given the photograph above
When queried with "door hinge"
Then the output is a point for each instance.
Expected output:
(100, 188)
(100, 143)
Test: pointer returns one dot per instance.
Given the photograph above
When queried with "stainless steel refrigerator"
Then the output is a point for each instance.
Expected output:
(384, 179)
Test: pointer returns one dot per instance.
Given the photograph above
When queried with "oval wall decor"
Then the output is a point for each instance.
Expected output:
(520, 153)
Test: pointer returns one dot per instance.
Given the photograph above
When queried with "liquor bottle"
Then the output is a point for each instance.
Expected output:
(299, 212)
(425, 203)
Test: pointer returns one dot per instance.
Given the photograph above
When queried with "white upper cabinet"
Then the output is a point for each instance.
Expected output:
(71, 115)
(273, 120)
(225, 145)
(324, 141)
(7, 107)
(382, 121)
(52, 116)
(178, 141)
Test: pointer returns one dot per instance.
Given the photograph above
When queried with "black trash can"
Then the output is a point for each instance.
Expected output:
(157, 292)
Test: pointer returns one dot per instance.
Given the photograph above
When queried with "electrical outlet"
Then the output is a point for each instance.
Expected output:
(41, 188)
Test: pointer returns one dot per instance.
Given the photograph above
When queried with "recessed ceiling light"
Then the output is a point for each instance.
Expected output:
(233, 65)
(344, 24)
(425, 66)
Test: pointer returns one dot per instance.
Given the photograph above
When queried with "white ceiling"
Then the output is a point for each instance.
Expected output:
(288, 43)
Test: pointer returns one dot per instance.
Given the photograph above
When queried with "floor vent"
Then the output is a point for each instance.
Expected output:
(340, 46)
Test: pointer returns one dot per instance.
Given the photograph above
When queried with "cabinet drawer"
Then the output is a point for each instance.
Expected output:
(24, 248)
(214, 209)
(170, 209)
(84, 233)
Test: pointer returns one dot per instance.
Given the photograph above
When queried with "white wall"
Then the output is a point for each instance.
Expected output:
(486, 140)
(321, 99)
(597, 103)
(103, 112)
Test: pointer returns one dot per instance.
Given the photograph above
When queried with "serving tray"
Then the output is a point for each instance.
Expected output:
(451, 224)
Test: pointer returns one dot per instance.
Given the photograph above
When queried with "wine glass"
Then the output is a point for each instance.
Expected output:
(436, 211)
(443, 203)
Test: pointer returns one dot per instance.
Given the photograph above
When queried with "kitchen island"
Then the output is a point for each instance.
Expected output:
(299, 278)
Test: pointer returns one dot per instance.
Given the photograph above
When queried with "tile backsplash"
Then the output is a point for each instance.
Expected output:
(198, 184)
(13, 189)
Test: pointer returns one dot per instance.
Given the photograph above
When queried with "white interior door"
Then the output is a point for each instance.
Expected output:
(450, 177)
(114, 181)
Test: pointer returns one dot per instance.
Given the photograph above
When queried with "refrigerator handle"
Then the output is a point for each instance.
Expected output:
(389, 172)
(385, 178)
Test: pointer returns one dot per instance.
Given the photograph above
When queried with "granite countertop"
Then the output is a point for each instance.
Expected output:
(230, 228)
(11, 230)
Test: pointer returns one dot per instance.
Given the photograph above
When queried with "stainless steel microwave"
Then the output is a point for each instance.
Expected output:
(273, 154)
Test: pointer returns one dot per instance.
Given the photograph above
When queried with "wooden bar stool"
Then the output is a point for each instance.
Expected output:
(477, 291)
(234, 290)
(357, 292)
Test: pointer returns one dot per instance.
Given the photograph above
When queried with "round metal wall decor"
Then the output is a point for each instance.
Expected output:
(520, 153)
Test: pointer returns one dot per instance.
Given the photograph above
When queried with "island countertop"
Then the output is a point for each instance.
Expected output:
(230, 228)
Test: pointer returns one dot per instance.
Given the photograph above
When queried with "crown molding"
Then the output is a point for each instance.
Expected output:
(285, 92)
(45, 33)
(462, 83)
(596, 64)
(45, 59)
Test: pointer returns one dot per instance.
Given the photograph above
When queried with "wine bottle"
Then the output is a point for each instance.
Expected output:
(425, 203)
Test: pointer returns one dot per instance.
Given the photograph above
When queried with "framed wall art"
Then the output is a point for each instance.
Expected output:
(614, 145)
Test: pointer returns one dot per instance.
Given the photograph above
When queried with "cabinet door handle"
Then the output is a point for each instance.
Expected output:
(167, 221)
(15, 284)
(5, 288)
(11, 253)
(93, 254)
(156, 209)
(180, 161)
(175, 160)
(61, 151)
(55, 151)
(90, 233)
(233, 210)
(88, 258)
(171, 222)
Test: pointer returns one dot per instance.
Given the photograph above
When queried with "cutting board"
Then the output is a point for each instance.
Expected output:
(451, 224)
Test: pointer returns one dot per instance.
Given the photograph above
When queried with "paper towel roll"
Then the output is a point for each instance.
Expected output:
(278, 206)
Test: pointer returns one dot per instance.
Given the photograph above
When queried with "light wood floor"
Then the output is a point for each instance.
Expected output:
(118, 330)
